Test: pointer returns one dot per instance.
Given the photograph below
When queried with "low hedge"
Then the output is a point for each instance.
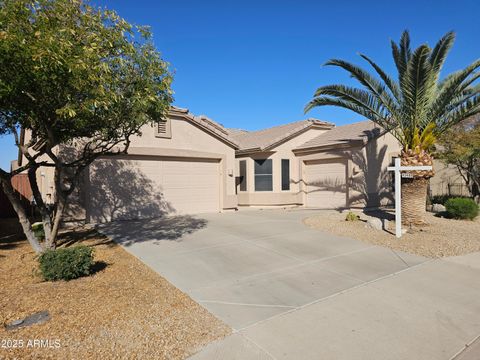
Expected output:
(66, 263)
(462, 208)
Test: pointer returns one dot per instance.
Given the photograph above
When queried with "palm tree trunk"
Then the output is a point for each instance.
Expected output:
(414, 200)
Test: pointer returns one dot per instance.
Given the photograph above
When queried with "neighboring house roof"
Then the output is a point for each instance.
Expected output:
(268, 138)
(205, 123)
(360, 132)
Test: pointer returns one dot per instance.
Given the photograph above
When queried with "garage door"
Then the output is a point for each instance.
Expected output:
(150, 187)
(325, 184)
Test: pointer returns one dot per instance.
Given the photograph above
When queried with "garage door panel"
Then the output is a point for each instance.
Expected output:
(131, 189)
(193, 180)
(326, 184)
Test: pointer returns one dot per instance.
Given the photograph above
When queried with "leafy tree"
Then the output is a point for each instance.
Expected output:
(460, 146)
(76, 82)
(416, 108)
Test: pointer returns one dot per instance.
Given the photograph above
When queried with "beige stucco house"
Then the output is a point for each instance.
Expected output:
(447, 181)
(190, 164)
(184, 164)
(312, 163)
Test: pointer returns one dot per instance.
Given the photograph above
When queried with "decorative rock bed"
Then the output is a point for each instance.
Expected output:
(443, 237)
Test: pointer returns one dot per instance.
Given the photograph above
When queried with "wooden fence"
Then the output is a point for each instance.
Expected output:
(24, 192)
(21, 184)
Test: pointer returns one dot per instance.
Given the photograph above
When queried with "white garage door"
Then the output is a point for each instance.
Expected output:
(150, 187)
(325, 184)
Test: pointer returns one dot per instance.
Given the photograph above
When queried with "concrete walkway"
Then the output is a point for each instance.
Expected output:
(292, 292)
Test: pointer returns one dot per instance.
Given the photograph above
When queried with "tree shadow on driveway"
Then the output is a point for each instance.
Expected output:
(171, 228)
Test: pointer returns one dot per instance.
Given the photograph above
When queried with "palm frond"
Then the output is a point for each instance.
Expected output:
(451, 87)
(462, 97)
(357, 96)
(367, 80)
(440, 51)
(328, 101)
(417, 87)
(397, 58)
(464, 110)
(401, 53)
(405, 51)
(418, 107)
(427, 136)
(391, 83)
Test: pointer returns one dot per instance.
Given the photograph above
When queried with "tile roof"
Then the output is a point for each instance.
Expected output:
(206, 123)
(267, 138)
(346, 134)
(237, 132)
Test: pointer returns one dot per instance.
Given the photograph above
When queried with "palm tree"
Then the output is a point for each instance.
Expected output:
(417, 108)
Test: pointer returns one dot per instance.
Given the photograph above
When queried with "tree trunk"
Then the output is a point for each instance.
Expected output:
(39, 204)
(414, 200)
(22, 216)
(52, 244)
(475, 191)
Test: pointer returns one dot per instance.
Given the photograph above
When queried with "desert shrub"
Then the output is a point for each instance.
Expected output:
(37, 229)
(351, 216)
(66, 263)
(461, 208)
(442, 199)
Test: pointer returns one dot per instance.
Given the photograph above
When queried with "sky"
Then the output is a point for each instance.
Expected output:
(255, 64)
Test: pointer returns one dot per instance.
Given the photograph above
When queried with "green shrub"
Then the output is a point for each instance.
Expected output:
(37, 229)
(442, 199)
(66, 263)
(462, 208)
(351, 216)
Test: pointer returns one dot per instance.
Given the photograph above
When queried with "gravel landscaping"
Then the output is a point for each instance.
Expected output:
(124, 310)
(442, 237)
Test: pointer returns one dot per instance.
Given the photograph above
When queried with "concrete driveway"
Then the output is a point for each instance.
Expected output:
(292, 292)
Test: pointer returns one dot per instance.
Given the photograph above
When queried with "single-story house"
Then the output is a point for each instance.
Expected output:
(312, 163)
(183, 164)
(190, 164)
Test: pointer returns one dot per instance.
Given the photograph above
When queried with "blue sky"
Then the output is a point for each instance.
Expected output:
(255, 64)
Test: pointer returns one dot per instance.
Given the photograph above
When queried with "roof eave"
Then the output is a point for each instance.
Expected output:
(251, 151)
(278, 141)
(187, 115)
(336, 145)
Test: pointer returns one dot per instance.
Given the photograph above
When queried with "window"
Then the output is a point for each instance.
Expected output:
(285, 174)
(263, 175)
(163, 129)
(243, 175)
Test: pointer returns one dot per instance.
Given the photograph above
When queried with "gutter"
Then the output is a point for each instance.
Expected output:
(251, 151)
(332, 146)
(342, 144)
